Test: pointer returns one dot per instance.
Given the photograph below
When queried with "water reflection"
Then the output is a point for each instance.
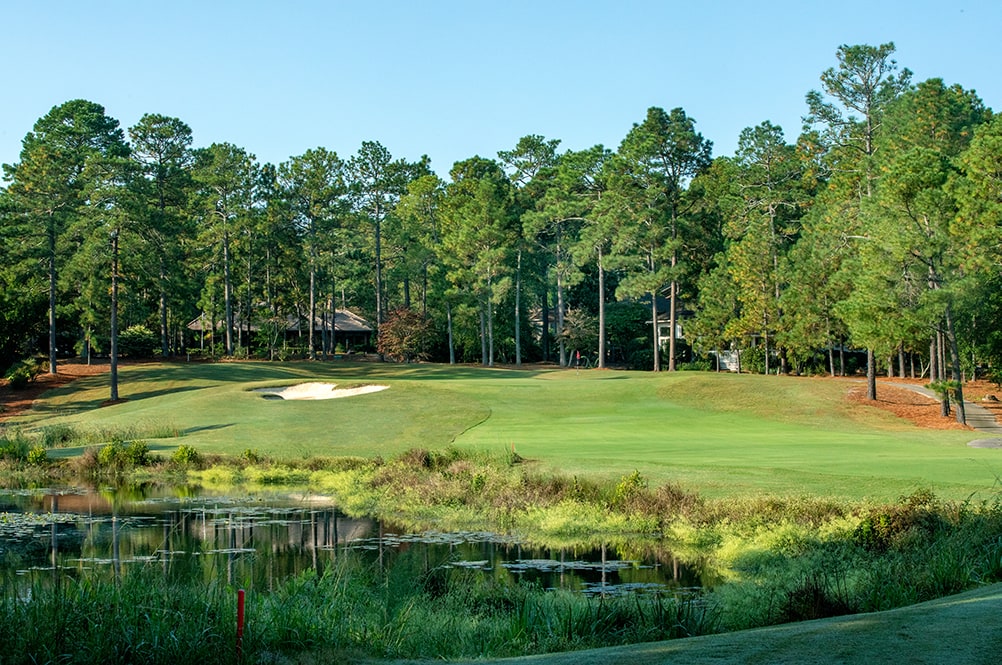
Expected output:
(257, 542)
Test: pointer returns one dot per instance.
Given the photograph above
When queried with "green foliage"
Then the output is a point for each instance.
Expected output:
(37, 456)
(14, 446)
(349, 610)
(753, 359)
(23, 373)
(137, 342)
(945, 389)
(56, 436)
(251, 456)
(120, 455)
(914, 517)
(628, 488)
(697, 366)
(185, 455)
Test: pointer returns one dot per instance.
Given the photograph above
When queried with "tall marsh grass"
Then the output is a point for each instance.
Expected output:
(776, 559)
(348, 610)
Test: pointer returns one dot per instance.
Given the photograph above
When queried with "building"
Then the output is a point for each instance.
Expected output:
(350, 331)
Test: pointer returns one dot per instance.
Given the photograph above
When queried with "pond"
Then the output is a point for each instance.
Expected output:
(259, 541)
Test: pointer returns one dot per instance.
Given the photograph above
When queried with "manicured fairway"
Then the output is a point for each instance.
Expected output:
(715, 433)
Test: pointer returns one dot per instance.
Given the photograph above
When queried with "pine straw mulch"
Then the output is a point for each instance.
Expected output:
(16, 402)
(921, 410)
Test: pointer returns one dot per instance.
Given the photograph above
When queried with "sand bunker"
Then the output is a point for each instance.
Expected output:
(316, 391)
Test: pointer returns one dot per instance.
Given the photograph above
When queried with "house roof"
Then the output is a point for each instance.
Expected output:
(344, 321)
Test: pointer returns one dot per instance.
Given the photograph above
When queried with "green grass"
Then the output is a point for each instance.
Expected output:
(739, 437)
(960, 630)
(718, 434)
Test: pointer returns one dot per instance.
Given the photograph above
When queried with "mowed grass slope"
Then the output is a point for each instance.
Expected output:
(960, 630)
(718, 434)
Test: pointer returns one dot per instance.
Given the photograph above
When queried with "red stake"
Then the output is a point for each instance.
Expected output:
(240, 624)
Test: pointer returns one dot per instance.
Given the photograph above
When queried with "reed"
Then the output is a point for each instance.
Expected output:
(346, 611)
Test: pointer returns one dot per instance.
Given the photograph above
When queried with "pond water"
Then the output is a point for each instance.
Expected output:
(258, 541)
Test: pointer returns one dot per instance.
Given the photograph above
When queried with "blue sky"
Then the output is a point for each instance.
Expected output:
(453, 79)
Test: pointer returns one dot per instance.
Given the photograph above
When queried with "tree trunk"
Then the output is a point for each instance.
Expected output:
(113, 350)
(765, 340)
(601, 311)
(379, 267)
(951, 336)
(518, 308)
(227, 294)
(561, 342)
(546, 322)
(871, 376)
(452, 347)
(313, 310)
(164, 337)
(483, 337)
(657, 344)
(932, 359)
(52, 297)
(672, 309)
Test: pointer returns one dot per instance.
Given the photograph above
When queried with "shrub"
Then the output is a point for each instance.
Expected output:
(886, 527)
(22, 373)
(14, 447)
(53, 436)
(628, 489)
(696, 366)
(816, 596)
(251, 456)
(753, 360)
(118, 455)
(186, 455)
(405, 335)
(37, 456)
(137, 342)
(137, 453)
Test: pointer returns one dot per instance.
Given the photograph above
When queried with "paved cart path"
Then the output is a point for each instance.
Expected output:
(978, 417)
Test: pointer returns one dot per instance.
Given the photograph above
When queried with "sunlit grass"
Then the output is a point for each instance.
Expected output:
(718, 434)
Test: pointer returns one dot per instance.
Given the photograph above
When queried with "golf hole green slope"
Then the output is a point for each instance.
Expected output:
(717, 434)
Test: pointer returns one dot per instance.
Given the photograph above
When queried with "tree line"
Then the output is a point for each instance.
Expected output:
(876, 229)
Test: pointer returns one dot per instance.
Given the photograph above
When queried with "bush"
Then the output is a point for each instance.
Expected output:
(186, 455)
(753, 360)
(887, 527)
(816, 596)
(696, 366)
(251, 456)
(37, 456)
(54, 436)
(137, 342)
(118, 455)
(22, 373)
(14, 447)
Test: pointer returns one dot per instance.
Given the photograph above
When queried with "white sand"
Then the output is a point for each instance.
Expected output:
(317, 390)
